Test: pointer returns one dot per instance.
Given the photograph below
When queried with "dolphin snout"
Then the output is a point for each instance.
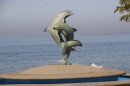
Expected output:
(70, 13)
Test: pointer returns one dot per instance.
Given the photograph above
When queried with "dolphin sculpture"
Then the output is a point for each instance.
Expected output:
(59, 27)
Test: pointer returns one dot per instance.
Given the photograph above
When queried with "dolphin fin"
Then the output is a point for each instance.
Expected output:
(74, 29)
(45, 29)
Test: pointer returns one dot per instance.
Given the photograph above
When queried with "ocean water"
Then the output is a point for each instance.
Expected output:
(23, 53)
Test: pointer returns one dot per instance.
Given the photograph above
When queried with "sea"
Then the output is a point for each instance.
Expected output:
(17, 54)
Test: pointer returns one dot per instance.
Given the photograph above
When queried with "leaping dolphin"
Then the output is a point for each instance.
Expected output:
(60, 17)
(68, 48)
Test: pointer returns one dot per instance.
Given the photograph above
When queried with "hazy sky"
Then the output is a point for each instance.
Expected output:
(28, 18)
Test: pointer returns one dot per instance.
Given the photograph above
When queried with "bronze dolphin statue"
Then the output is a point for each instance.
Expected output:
(59, 27)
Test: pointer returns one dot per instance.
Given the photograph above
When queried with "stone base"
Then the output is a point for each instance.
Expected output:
(58, 71)
(61, 74)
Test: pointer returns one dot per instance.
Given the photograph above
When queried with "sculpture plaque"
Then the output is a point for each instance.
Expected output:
(59, 28)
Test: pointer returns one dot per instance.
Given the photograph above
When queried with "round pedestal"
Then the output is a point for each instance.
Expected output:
(55, 74)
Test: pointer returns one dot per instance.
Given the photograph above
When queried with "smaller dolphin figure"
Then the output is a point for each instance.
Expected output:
(59, 28)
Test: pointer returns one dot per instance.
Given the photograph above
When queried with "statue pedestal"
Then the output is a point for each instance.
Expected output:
(60, 74)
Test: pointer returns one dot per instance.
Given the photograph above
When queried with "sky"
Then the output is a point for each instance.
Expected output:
(28, 18)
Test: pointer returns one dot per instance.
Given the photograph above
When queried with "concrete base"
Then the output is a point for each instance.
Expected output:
(67, 72)
(63, 71)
